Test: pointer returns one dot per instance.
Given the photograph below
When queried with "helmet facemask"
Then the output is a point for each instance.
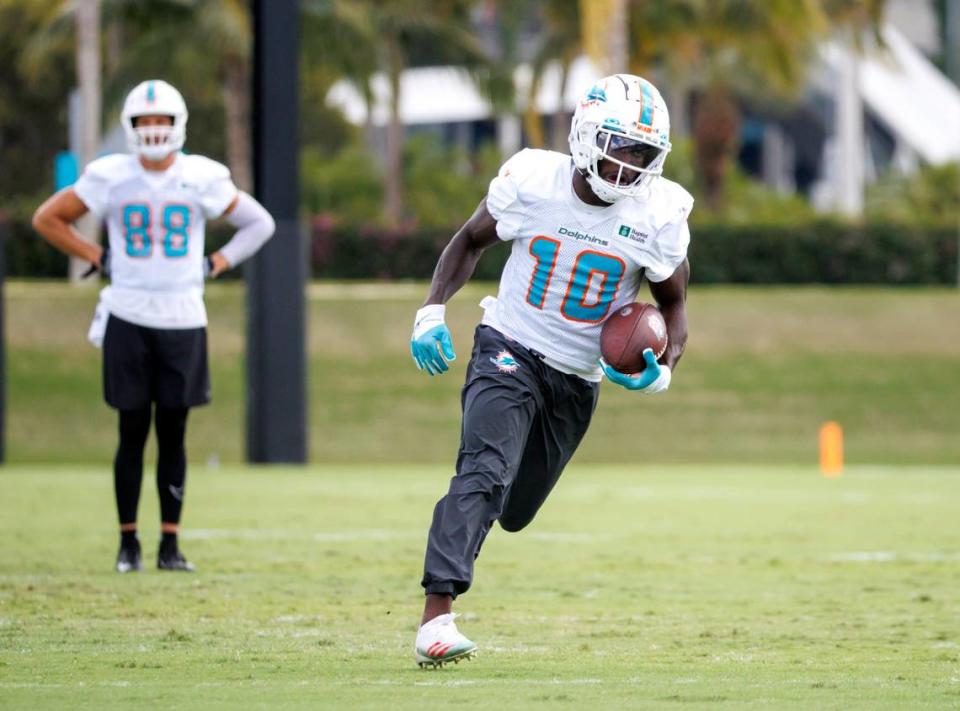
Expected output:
(635, 163)
(155, 142)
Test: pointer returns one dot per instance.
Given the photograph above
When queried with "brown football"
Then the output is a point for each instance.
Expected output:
(628, 332)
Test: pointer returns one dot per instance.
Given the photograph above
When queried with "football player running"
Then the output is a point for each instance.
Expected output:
(151, 320)
(585, 230)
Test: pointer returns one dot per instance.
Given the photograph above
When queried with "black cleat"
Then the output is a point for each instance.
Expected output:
(173, 560)
(128, 558)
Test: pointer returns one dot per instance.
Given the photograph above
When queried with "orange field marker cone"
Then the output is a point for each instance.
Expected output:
(831, 449)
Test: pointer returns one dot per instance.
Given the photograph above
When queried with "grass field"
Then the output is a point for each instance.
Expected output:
(716, 570)
(764, 368)
(637, 587)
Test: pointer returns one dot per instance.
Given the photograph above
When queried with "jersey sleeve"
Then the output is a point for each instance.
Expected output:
(503, 197)
(216, 188)
(673, 237)
(93, 185)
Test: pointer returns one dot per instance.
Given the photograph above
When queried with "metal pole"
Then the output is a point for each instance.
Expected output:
(276, 330)
(88, 79)
(4, 235)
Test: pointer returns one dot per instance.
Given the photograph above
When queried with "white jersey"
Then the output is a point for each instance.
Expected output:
(572, 263)
(155, 224)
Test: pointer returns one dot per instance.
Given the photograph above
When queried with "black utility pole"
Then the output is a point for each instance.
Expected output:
(276, 343)
(4, 235)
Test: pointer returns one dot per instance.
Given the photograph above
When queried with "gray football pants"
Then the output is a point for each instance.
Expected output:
(522, 421)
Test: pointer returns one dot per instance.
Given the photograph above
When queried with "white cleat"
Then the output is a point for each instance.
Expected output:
(439, 641)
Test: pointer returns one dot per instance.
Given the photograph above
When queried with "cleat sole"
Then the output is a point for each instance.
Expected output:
(438, 663)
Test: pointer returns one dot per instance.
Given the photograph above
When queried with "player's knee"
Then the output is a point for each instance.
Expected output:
(134, 425)
(484, 484)
(513, 522)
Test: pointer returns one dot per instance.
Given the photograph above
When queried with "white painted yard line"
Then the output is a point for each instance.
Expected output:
(362, 534)
(561, 537)
(509, 682)
(289, 534)
(318, 683)
(891, 556)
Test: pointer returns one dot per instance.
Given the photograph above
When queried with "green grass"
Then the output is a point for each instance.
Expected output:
(637, 587)
(764, 368)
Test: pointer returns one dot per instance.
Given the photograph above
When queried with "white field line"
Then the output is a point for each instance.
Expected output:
(892, 556)
(320, 683)
(283, 534)
(361, 534)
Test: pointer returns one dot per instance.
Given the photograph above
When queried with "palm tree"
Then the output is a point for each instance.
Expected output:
(204, 44)
(726, 48)
(559, 43)
(389, 32)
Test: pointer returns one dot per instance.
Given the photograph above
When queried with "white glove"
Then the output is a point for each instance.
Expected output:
(431, 341)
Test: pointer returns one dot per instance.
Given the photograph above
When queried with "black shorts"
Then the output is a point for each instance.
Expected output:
(143, 365)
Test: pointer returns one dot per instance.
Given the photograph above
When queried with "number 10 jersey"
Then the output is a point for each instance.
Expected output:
(573, 264)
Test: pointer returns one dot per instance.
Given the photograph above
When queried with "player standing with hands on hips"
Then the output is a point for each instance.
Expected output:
(151, 321)
(585, 231)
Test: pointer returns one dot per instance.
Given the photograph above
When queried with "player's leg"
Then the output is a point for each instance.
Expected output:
(127, 478)
(498, 407)
(171, 424)
(182, 382)
(554, 436)
(126, 387)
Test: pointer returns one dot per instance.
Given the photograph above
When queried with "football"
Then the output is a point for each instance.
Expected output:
(628, 332)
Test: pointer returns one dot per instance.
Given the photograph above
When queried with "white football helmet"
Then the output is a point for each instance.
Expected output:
(154, 98)
(624, 116)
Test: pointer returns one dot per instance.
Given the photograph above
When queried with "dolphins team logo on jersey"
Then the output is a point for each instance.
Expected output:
(505, 362)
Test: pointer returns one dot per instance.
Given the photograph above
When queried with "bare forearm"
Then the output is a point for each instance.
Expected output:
(454, 269)
(460, 257)
(66, 238)
(671, 298)
(676, 317)
(54, 221)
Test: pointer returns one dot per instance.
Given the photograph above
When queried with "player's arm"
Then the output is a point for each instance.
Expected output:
(431, 342)
(671, 297)
(54, 221)
(254, 227)
(459, 258)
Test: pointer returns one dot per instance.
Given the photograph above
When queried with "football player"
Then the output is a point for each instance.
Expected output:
(151, 320)
(585, 230)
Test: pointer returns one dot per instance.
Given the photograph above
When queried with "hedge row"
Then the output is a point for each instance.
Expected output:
(825, 251)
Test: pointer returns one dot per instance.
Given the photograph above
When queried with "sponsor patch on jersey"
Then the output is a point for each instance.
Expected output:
(632, 234)
(505, 362)
(582, 236)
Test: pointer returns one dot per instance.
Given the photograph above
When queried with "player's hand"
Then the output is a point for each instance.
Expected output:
(100, 264)
(431, 342)
(654, 378)
(214, 265)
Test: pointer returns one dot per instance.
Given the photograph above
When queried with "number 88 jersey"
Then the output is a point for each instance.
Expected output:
(572, 264)
(155, 224)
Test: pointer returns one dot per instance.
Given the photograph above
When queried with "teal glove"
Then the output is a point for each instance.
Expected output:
(654, 378)
(431, 341)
